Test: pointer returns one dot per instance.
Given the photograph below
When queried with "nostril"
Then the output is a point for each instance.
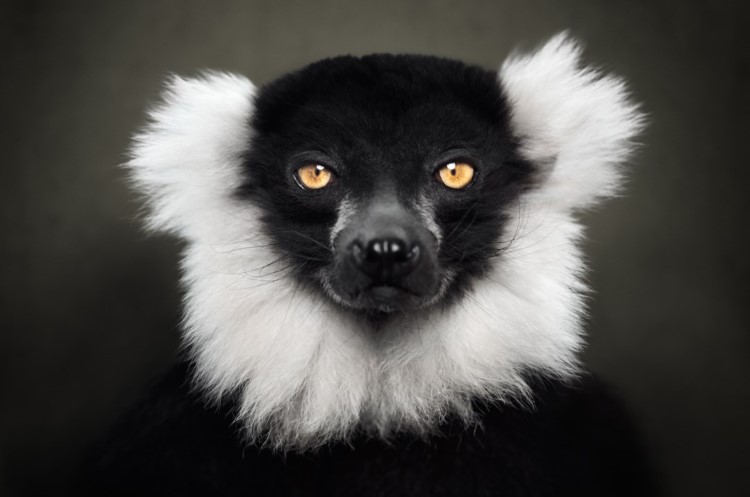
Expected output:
(376, 249)
(385, 259)
(393, 250)
(397, 250)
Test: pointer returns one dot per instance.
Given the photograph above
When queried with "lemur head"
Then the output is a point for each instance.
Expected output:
(384, 180)
(380, 242)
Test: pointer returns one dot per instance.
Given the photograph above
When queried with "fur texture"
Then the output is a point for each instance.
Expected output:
(303, 369)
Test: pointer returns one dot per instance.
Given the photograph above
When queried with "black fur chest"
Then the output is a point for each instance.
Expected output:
(576, 440)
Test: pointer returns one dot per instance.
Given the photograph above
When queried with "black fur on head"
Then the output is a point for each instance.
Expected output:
(384, 124)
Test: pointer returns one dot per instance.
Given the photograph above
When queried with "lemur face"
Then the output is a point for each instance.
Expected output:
(383, 180)
(378, 243)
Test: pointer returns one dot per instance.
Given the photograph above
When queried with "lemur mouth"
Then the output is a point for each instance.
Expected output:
(388, 290)
(387, 299)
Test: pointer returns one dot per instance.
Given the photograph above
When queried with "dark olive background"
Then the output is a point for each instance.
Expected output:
(89, 305)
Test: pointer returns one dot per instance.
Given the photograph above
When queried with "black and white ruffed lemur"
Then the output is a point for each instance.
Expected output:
(384, 291)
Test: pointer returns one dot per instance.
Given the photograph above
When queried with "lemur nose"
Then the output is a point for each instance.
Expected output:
(386, 260)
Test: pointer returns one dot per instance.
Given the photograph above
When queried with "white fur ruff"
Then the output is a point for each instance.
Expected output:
(305, 370)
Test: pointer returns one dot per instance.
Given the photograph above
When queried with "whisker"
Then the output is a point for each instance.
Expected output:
(460, 221)
(247, 247)
(260, 268)
(291, 271)
(303, 236)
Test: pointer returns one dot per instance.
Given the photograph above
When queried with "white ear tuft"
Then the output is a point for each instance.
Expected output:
(572, 121)
(187, 160)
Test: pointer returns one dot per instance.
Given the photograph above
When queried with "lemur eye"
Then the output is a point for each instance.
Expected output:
(313, 176)
(456, 175)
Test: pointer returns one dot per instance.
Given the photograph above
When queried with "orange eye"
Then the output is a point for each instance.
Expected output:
(456, 175)
(314, 176)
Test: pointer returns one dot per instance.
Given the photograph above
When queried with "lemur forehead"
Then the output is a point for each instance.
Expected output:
(380, 84)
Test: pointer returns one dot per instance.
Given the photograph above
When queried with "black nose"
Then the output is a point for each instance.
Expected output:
(386, 260)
